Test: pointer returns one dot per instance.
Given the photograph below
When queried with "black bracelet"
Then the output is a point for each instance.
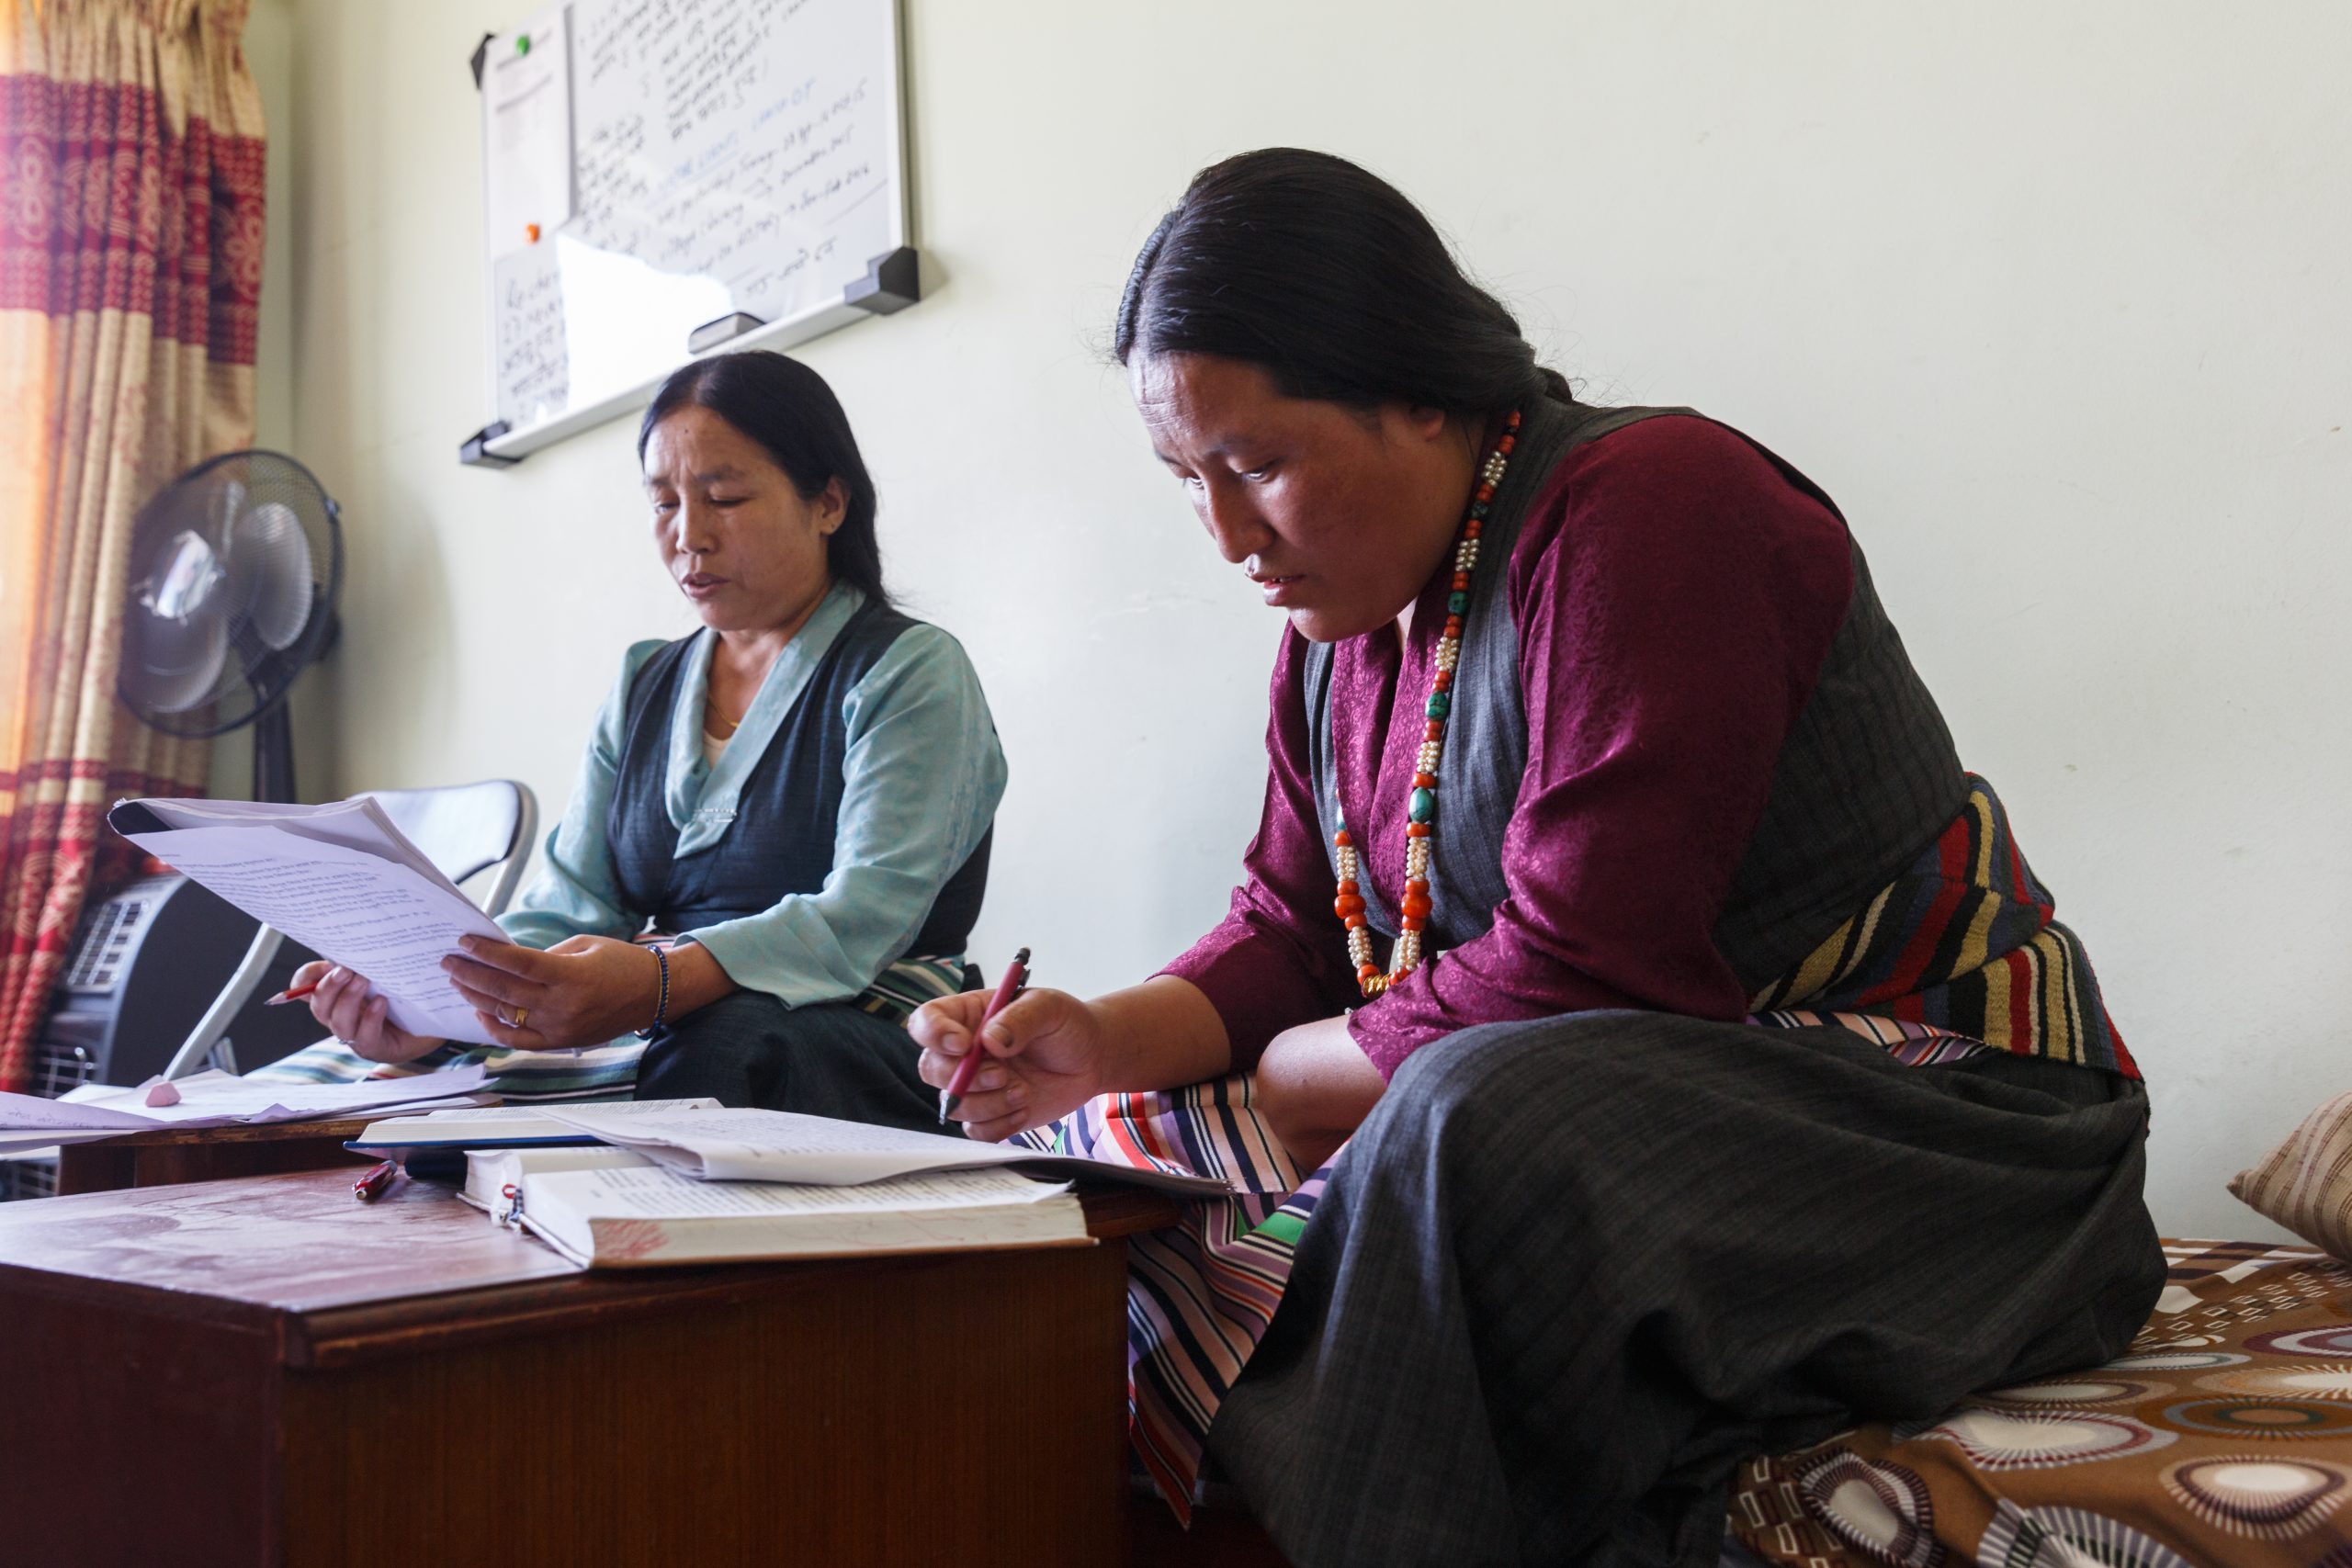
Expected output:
(662, 1004)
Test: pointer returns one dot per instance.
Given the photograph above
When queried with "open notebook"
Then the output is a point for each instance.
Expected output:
(781, 1145)
(501, 1126)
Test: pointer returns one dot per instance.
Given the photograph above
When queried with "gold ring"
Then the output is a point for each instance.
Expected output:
(520, 1014)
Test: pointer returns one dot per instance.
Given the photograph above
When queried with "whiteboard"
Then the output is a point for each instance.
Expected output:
(653, 166)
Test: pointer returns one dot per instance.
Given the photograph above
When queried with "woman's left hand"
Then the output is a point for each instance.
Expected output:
(583, 991)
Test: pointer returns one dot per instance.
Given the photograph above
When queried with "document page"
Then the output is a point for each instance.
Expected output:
(359, 823)
(738, 1144)
(653, 1192)
(215, 1100)
(31, 1114)
(218, 1096)
(505, 1125)
(387, 921)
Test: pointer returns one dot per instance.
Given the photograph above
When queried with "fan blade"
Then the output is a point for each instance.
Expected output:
(228, 500)
(269, 556)
(183, 579)
(171, 666)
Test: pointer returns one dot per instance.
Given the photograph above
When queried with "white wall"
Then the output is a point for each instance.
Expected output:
(2055, 305)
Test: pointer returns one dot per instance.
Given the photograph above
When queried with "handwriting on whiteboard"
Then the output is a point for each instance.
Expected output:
(704, 146)
(528, 343)
(724, 155)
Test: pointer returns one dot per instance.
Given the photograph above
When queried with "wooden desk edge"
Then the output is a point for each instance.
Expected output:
(340, 1128)
(336, 1336)
(345, 1336)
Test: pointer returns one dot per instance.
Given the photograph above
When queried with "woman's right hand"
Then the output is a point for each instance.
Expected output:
(1047, 1052)
(344, 1003)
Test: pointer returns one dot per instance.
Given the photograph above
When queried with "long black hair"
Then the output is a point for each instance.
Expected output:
(1328, 277)
(788, 410)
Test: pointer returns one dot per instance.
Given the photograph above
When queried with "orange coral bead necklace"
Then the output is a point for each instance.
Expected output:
(1413, 912)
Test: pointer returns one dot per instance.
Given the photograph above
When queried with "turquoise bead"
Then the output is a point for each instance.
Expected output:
(1456, 602)
(1424, 806)
(1439, 705)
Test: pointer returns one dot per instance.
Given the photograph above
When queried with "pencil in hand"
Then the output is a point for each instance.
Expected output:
(1016, 976)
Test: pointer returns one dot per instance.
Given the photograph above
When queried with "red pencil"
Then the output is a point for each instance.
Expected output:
(377, 1181)
(295, 995)
(969, 1068)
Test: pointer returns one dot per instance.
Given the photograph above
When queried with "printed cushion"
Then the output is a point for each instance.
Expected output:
(2223, 1436)
(2305, 1184)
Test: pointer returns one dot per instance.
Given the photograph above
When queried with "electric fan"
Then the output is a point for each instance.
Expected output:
(234, 567)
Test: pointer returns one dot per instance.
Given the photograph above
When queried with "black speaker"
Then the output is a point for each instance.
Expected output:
(147, 963)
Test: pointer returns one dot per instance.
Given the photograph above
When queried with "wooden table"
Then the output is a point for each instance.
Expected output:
(172, 1155)
(260, 1371)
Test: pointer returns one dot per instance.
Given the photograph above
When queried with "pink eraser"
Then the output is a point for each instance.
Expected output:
(163, 1094)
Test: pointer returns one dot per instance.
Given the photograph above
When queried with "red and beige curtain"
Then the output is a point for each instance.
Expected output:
(130, 239)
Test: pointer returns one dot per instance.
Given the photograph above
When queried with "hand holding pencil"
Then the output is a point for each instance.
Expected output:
(1016, 977)
(344, 1003)
(1041, 1059)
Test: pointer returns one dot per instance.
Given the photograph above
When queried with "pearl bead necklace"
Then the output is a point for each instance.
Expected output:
(1413, 913)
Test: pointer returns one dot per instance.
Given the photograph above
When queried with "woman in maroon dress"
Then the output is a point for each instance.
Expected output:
(1710, 1068)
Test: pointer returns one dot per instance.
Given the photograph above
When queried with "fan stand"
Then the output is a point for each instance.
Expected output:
(273, 781)
(274, 756)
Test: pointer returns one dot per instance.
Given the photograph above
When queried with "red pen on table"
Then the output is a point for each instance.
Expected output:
(377, 1181)
(970, 1067)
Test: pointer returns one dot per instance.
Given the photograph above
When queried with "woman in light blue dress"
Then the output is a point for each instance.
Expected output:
(778, 840)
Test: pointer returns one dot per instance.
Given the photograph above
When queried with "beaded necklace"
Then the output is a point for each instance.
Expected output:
(1414, 910)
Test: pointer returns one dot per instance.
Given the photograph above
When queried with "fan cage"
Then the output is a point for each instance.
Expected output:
(266, 476)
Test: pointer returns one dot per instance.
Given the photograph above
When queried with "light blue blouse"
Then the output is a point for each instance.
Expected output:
(922, 776)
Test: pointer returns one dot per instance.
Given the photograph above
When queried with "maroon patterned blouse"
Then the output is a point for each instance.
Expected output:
(1674, 598)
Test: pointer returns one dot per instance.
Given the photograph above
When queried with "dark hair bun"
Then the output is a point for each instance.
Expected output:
(1323, 274)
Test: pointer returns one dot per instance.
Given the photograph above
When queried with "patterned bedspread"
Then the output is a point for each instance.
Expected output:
(2223, 1438)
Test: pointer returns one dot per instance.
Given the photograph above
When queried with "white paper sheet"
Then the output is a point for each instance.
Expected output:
(223, 1097)
(527, 132)
(530, 350)
(31, 1114)
(360, 823)
(655, 1193)
(503, 1125)
(218, 1099)
(387, 921)
(781, 1145)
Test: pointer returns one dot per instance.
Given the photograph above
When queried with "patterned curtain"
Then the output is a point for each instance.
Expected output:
(131, 237)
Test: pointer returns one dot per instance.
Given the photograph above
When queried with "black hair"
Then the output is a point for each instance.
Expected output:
(1328, 277)
(788, 410)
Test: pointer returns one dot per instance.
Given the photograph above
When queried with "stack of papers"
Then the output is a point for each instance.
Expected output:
(500, 1127)
(781, 1145)
(340, 879)
(215, 1100)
